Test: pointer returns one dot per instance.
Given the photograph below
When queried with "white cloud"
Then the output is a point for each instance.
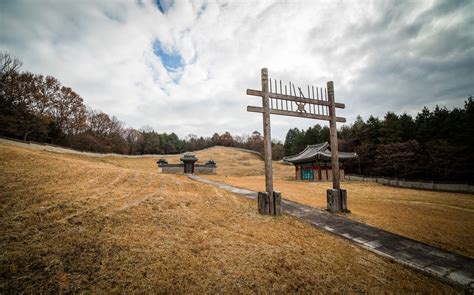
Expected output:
(383, 56)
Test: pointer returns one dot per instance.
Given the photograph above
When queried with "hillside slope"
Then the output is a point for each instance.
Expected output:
(73, 223)
(230, 161)
(235, 162)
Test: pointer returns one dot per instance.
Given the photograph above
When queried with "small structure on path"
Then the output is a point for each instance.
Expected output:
(314, 162)
(188, 166)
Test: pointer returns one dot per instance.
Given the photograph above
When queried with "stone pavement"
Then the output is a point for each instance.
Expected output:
(443, 264)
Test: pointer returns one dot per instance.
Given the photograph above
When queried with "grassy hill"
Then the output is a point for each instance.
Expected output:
(236, 162)
(77, 223)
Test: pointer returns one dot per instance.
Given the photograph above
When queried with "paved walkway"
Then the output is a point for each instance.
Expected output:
(446, 265)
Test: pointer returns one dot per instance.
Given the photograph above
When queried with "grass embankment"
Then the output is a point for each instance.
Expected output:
(442, 219)
(72, 223)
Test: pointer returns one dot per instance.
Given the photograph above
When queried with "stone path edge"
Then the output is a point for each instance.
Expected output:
(450, 267)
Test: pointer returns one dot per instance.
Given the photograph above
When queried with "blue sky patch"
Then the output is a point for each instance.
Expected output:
(171, 60)
(163, 5)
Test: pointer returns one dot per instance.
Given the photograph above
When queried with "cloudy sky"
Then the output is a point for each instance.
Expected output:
(184, 66)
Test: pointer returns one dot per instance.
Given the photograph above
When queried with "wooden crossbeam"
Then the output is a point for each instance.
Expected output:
(294, 114)
(296, 99)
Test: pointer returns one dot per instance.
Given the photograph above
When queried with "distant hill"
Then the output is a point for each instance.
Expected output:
(230, 161)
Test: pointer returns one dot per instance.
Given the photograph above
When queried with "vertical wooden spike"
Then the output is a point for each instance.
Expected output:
(291, 103)
(317, 97)
(327, 99)
(323, 98)
(309, 96)
(321, 92)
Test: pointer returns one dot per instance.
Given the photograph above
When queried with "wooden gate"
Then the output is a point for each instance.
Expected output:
(309, 102)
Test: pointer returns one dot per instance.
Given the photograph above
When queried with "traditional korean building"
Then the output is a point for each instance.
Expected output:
(314, 162)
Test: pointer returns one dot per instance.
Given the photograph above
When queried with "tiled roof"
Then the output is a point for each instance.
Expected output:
(318, 151)
(189, 157)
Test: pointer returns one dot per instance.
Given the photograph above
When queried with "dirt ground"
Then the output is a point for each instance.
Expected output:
(442, 219)
(72, 223)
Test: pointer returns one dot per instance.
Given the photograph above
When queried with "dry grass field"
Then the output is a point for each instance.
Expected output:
(72, 223)
(441, 219)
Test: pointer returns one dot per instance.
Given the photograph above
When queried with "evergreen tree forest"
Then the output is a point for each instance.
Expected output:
(435, 145)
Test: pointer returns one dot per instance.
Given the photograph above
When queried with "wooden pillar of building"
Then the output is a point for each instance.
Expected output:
(326, 169)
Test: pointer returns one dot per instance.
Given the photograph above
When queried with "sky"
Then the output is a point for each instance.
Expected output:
(184, 66)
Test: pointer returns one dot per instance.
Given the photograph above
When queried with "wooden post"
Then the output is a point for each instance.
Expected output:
(267, 140)
(263, 201)
(277, 201)
(336, 184)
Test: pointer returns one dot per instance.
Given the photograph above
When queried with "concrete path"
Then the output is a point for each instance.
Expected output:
(443, 264)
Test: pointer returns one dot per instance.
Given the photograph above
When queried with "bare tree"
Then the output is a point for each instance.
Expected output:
(8, 65)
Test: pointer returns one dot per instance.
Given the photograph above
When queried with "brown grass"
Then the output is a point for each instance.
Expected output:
(73, 223)
(441, 219)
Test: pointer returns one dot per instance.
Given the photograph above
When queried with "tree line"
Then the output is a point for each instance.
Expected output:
(39, 108)
(434, 145)
(296, 140)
